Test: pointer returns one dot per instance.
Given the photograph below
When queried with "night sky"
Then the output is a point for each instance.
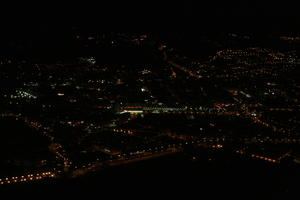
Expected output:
(154, 11)
(254, 16)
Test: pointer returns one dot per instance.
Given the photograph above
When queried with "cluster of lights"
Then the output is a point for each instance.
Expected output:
(271, 59)
(218, 109)
(217, 146)
(89, 60)
(273, 140)
(55, 149)
(247, 52)
(186, 70)
(264, 158)
(23, 94)
(242, 152)
(145, 71)
(274, 128)
(123, 131)
(281, 109)
(254, 118)
(27, 178)
(96, 81)
(290, 38)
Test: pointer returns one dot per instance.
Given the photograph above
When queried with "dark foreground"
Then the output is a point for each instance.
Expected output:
(176, 175)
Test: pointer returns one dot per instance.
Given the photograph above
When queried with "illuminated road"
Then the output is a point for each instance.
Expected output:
(27, 177)
(123, 161)
(177, 66)
(53, 147)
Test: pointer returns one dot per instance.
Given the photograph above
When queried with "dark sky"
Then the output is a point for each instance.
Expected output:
(47, 23)
(115, 9)
(112, 14)
(243, 8)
